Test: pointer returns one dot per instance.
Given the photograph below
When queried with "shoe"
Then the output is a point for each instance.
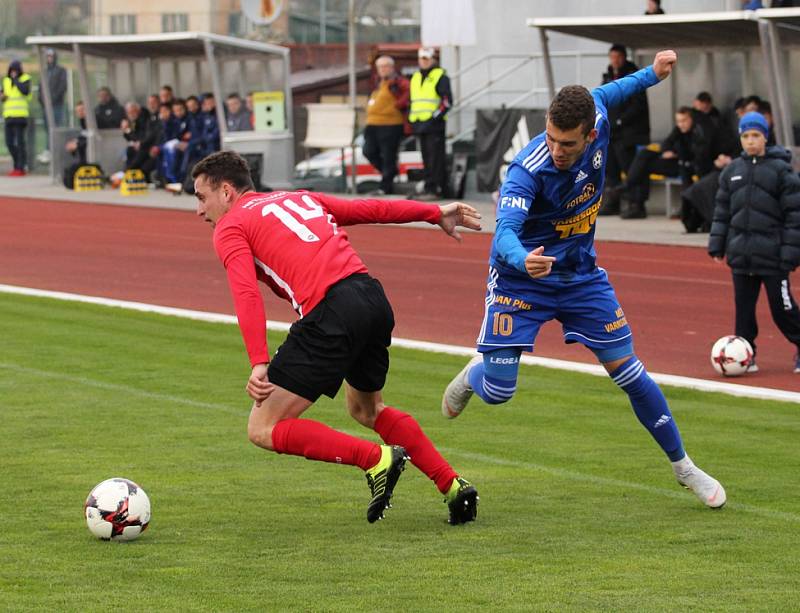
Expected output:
(15, 172)
(458, 393)
(44, 157)
(634, 211)
(462, 502)
(382, 478)
(174, 188)
(796, 363)
(705, 487)
(752, 367)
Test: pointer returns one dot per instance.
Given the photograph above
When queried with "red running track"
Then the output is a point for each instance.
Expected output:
(677, 299)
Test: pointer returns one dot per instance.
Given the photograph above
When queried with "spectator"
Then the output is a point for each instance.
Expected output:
(765, 108)
(108, 112)
(704, 103)
(57, 83)
(654, 8)
(210, 127)
(630, 128)
(77, 146)
(16, 98)
(430, 99)
(135, 130)
(176, 145)
(686, 152)
(757, 226)
(237, 117)
(159, 134)
(248, 104)
(166, 95)
(384, 131)
(153, 120)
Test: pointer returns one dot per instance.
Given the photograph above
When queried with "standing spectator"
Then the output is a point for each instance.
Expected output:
(654, 8)
(687, 151)
(135, 130)
(16, 98)
(166, 95)
(630, 128)
(757, 226)
(57, 83)
(386, 110)
(108, 112)
(431, 98)
(237, 118)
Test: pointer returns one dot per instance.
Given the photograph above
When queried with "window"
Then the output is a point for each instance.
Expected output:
(174, 22)
(123, 24)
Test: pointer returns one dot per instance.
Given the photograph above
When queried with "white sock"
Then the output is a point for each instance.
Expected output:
(683, 466)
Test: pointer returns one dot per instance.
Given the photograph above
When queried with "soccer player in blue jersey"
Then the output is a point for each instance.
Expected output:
(542, 267)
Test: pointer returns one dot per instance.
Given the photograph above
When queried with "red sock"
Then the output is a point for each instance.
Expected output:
(398, 428)
(316, 441)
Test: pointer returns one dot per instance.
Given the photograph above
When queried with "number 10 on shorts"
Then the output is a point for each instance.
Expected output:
(502, 324)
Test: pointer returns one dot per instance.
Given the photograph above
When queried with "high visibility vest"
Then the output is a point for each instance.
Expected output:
(16, 103)
(424, 99)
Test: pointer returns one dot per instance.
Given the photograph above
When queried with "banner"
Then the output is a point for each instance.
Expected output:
(499, 135)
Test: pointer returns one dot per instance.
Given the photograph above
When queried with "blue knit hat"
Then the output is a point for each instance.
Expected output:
(754, 121)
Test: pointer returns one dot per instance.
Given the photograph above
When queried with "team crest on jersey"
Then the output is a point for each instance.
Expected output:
(597, 159)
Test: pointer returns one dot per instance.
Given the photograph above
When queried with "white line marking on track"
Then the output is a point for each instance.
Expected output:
(703, 385)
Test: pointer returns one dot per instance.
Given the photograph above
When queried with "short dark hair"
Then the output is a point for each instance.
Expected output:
(703, 97)
(764, 107)
(573, 106)
(167, 87)
(740, 103)
(165, 105)
(233, 95)
(225, 166)
(205, 95)
(619, 48)
(684, 110)
(751, 99)
(193, 97)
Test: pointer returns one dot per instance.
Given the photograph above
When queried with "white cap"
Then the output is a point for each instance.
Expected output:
(427, 52)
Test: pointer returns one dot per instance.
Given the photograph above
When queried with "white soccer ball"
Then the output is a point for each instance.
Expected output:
(117, 509)
(731, 356)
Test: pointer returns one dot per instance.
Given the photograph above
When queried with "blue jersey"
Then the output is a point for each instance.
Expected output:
(542, 205)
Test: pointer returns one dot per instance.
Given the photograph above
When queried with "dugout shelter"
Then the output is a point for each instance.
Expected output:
(743, 50)
(134, 66)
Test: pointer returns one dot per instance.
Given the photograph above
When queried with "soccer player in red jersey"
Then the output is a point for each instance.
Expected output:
(294, 242)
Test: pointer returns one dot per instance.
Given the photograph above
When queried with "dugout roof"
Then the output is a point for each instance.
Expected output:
(770, 29)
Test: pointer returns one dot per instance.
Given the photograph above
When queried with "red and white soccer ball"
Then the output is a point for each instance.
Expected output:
(117, 510)
(731, 356)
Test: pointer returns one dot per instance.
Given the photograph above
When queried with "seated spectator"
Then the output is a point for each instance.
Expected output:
(134, 129)
(108, 112)
(654, 8)
(686, 152)
(175, 147)
(160, 133)
(703, 103)
(210, 127)
(77, 146)
(237, 118)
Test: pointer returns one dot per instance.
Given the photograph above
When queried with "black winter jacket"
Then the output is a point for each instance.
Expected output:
(630, 122)
(757, 215)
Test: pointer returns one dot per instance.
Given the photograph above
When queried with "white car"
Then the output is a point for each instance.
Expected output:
(323, 171)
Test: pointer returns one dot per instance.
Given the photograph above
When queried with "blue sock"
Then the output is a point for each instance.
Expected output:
(495, 379)
(650, 406)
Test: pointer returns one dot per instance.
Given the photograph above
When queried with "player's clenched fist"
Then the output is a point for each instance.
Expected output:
(538, 265)
(664, 62)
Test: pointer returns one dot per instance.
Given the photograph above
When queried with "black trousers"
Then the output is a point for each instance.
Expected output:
(15, 141)
(434, 157)
(785, 313)
(644, 164)
(380, 148)
(620, 158)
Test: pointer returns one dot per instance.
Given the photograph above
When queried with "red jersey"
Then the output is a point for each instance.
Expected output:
(293, 242)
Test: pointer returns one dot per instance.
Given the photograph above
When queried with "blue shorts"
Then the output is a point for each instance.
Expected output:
(588, 310)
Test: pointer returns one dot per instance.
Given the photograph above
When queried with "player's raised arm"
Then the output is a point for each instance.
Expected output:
(617, 91)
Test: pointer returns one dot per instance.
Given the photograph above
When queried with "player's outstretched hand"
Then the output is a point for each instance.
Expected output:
(459, 215)
(538, 265)
(258, 386)
(664, 62)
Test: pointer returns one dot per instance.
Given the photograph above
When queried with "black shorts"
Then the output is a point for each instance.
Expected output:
(344, 338)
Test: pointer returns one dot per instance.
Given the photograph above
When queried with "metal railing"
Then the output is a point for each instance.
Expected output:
(459, 115)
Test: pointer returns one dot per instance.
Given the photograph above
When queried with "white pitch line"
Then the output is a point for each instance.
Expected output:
(703, 385)
(560, 473)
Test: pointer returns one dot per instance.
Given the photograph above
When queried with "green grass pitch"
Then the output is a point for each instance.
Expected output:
(578, 506)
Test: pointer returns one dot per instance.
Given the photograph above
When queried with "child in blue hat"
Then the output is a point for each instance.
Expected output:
(757, 227)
